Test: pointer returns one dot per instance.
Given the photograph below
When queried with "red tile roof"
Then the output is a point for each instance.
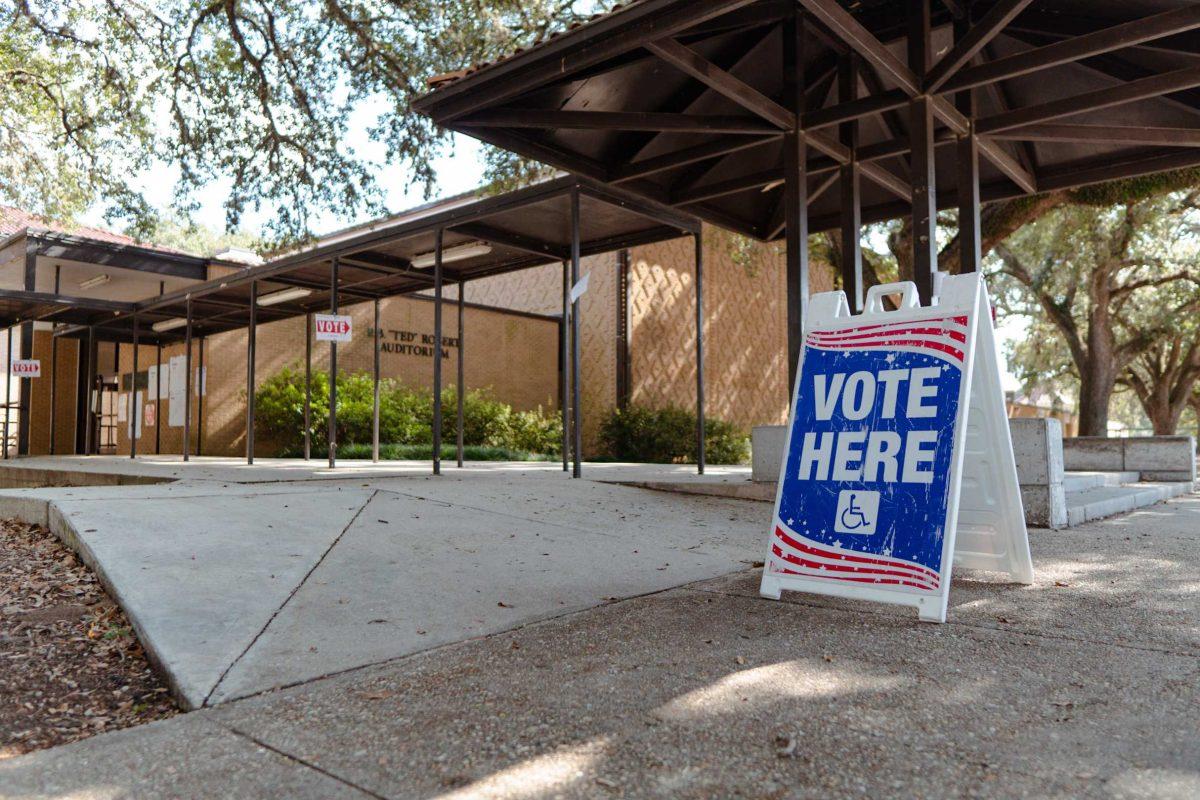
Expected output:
(16, 219)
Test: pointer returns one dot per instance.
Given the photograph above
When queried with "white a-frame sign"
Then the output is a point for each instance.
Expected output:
(898, 458)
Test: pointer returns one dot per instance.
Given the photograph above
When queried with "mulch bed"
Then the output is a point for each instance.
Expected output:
(70, 664)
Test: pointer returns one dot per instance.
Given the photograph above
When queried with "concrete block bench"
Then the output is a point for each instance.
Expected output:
(1154, 458)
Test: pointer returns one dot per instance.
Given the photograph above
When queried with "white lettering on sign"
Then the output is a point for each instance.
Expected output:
(861, 456)
(332, 327)
(27, 367)
(871, 455)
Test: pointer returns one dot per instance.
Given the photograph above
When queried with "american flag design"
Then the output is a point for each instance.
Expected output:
(945, 337)
(793, 554)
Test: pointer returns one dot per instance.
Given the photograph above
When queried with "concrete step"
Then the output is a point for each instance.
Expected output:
(1081, 481)
(1106, 501)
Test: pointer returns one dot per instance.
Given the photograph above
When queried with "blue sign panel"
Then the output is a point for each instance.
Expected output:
(866, 485)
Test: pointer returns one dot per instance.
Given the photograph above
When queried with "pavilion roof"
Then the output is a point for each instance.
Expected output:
(683, 102)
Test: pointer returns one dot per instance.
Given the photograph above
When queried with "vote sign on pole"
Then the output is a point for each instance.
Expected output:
(27, 367)
(332, 327)
(899, 460)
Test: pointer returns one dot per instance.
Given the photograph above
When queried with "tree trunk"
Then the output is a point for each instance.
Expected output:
(1095, 391)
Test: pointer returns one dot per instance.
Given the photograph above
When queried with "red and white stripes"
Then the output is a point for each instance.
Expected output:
(792, 554)
(945, 337)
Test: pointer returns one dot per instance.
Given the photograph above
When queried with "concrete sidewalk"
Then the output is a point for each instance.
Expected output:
(239, 587)
(1086, 684)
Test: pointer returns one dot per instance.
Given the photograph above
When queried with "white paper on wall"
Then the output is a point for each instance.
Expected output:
(122, 407)
(152, 383)
(177, 391)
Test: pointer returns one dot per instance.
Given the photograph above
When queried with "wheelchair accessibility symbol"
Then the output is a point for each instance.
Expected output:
(857, 512)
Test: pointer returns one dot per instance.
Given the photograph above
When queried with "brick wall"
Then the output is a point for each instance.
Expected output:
(745, 333)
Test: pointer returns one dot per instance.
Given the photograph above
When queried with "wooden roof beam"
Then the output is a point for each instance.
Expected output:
(1108, 134)
(513, 241)
(688, 155)
(976, 38)
(1077, 48)
(618, 121)
(1131, 92)
(727, 85)
(862, 41)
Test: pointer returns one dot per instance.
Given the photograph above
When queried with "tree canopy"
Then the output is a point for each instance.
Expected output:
(1110, 296)
(253, 92)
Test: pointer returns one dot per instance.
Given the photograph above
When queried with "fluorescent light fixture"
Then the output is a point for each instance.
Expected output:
(283, 295)
(168, 324)
(98, 280)
(456, 253)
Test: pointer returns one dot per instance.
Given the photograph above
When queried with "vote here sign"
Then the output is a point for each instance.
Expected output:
(332, 327)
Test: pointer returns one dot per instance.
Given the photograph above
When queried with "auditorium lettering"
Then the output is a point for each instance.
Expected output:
(411, 343)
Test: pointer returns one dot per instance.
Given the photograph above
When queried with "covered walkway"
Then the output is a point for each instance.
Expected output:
(448, 243)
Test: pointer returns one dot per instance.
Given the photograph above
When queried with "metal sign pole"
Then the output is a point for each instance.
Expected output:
(461, 389)
(251, 341)
(699, 237)
(577, 439)
(187, 384)
(89, 422)
(333, 309)
(437, 356)
(133, 409)
(564, 401)
(7, 390)
(308, 333)
(375, 342)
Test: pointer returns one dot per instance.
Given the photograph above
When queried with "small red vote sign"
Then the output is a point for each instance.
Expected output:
(27, 368)
(332, 327)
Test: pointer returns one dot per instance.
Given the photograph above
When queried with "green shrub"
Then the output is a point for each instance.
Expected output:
(668, 435)
(405, 416)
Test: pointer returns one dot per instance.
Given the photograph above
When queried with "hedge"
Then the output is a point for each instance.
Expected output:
(405, 416)
(668, 436)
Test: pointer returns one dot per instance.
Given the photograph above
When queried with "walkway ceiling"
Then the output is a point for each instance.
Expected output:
(490, 236)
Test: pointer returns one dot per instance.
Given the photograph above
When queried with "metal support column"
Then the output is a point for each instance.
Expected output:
(201, 389)
(375, 342)
(461, 389)
(437, 355)
(795, 189)
(187, 383)
(89, 423)
(8, 389)
(308, 322)
(921, 136)
(564, 344)
(133, 409)
(333, 309)
(251, 342)
(851, 179)
(54, 368)
(970, 244)
(576, 422)
(53, 389)
(699, 351)
(157, 396)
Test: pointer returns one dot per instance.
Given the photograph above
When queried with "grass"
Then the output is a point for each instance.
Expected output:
(424, 452)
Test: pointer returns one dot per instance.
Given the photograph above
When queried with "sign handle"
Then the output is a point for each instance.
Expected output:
(906, 289)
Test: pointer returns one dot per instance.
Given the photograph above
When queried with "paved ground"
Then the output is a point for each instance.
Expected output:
(239, 587)
(1086, 684)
